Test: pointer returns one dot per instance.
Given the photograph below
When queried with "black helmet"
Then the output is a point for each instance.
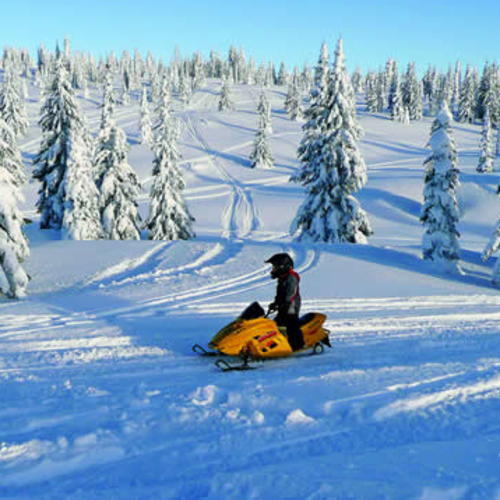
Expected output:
(281, 262)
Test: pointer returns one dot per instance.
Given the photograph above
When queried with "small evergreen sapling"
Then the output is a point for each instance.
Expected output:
(225, 98)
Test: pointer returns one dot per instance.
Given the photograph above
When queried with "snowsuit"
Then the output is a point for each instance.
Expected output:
(287, 302)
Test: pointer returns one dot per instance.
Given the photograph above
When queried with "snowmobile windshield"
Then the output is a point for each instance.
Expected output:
(253, 311)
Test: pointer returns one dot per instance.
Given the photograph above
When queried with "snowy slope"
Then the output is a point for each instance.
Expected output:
(103, 398)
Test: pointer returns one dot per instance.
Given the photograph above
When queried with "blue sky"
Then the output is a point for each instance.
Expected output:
(438, 32)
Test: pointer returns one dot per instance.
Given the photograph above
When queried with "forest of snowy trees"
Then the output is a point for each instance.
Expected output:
(88, 189)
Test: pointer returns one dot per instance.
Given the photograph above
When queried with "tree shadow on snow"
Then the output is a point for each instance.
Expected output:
(402, 203)
(393, 258)
(399, 147)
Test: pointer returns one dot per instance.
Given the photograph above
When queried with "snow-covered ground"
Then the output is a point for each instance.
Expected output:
(101, 396)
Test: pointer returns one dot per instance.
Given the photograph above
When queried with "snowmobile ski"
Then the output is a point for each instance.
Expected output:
(198, 349)
(223, 365)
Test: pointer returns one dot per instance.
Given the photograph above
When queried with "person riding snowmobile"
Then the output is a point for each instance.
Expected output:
(287, 301)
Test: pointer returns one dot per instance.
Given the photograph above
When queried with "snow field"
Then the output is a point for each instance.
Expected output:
(102, 396)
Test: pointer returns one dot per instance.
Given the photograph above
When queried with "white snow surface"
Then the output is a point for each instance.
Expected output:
(102, 397)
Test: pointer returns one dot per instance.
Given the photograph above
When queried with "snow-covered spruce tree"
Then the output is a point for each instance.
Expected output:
(60, 115)
(185, 89)
(81, 219)
(282, 78)
(119, 188)
(109, 101)
(13, 243)
(125, 97)
(412, 93)
(492, 247)
(381, 92)
(10, 154)
(264, 109)
(261, 156)
(294, 110)
(440, 212)
(357, 80)
(333, 168)
(393, 85)
(468, 98)
(486, 158)
(397, 105)
(488, 94)
(225, 98)
(371, 93)
(12, 108)
(457, 82)
(147, 138)
(169, 217)
(107, 111)
(322, 69)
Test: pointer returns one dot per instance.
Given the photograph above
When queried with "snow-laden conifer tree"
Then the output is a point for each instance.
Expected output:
(492, 247)
(125, 98)
(412, 93)
(12, 107)
(486, 158)
(488, 94)
(185, 89)
(147, 138)
(322, 69)
(261, 156)
(440, 212)
(107, 122)
(169, 217)
(393, 85)
(60, 116)
(371, 93)
(225, 97)
(282, 75)
(333, 168)
(397, 106)
(357, 80)
(294, 108)
(81, 219)
(13, 243)
(119, 188)
(109, 101)
(10, 154)
(468, 98)
(264, 109)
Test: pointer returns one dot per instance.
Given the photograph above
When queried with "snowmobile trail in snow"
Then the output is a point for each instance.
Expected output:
(240, 217)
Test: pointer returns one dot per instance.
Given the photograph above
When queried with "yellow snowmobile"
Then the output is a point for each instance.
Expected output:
(254, 336)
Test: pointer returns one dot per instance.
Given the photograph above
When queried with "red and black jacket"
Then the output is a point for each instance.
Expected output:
(288, 299)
